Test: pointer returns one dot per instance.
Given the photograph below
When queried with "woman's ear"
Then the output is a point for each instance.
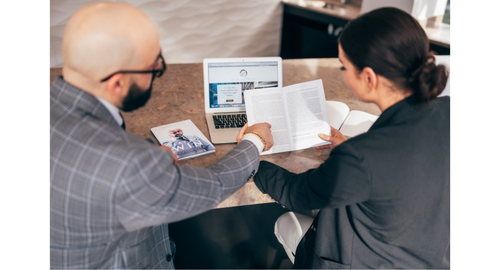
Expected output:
(370, 78)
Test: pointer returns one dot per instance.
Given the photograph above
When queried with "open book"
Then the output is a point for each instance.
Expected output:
(299, 112)
(350, 123)
(184, 138)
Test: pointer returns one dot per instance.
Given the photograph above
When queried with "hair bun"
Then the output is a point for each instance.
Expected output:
(429, 79)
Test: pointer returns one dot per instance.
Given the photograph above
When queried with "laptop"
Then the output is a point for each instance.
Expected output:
(225, 80)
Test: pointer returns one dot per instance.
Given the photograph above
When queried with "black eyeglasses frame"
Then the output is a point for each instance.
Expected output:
(156, 72)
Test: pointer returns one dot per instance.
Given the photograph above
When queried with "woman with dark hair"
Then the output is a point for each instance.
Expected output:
(383, 196)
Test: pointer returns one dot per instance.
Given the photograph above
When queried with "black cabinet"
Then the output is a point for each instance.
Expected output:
(438, 49)
(309, 34)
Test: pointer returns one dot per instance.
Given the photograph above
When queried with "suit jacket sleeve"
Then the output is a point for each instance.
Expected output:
(341, 180)
(155, 191)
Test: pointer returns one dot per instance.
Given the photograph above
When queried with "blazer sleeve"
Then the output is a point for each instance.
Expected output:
(341, 180)
(155, 191)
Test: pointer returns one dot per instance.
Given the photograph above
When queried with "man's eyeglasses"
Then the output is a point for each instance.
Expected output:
(176, 131)
(155, 72)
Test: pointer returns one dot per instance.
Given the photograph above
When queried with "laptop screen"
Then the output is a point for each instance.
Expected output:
(228, 80)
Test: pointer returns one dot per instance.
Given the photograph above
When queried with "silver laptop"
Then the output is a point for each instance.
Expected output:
(225, 80)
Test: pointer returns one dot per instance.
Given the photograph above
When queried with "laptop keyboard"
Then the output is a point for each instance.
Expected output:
(229, 120)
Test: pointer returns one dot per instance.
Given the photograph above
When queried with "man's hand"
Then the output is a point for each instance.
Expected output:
(176, 160)
(336, 138)
(262, 129)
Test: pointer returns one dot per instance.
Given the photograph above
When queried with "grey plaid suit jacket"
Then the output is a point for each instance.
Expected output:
(112, 193)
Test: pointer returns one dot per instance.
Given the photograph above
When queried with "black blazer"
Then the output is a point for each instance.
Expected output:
(384, 195)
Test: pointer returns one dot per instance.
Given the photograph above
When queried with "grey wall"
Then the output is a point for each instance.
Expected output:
(191, 30)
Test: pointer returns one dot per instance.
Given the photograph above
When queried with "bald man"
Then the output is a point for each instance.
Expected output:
(112, 194)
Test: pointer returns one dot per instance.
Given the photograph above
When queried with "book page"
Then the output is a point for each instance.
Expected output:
(357, 122)
(267, 105)
(305, 105)
(337, 113)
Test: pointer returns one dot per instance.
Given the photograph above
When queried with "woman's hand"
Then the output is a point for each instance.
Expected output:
(336, 138)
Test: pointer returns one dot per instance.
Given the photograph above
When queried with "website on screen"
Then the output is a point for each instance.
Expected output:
(228, 81)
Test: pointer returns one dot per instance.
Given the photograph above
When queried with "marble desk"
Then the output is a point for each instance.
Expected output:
(178, 95)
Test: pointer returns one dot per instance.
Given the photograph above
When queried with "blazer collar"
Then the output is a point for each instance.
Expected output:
(403, 111)
(80, 100)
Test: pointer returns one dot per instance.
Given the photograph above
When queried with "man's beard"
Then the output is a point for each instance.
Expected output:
(136, 97)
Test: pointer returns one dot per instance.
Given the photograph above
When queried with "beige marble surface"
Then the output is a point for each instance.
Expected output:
(178, 95)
